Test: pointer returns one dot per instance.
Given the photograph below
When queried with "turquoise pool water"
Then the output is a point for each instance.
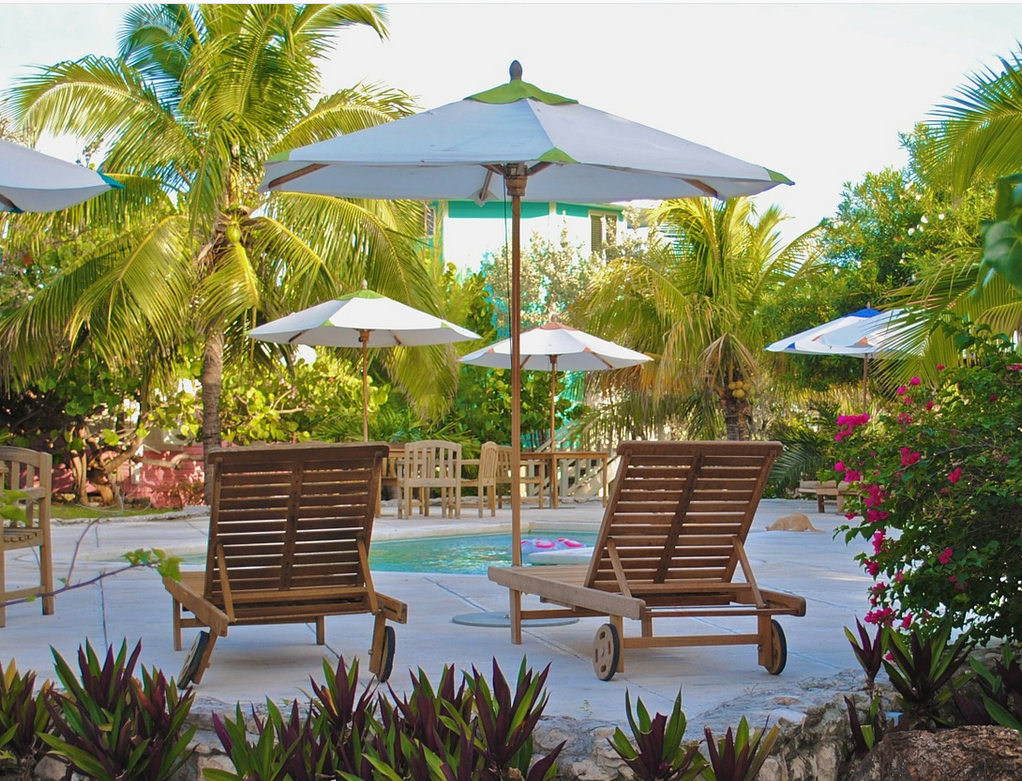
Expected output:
(466, 555)
(469, 554)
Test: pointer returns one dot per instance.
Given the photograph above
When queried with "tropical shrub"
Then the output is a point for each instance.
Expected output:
(23, 718)
(937, 489)
(478, 731)
(110, 726)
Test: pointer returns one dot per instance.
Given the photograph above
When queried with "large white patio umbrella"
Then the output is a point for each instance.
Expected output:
(554, 346)
(33, 182)
(364, 319)
(866, 333)
(515, 142)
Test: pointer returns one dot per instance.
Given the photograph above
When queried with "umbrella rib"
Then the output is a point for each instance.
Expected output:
(8, 203)
(704, 188)
(309, 169)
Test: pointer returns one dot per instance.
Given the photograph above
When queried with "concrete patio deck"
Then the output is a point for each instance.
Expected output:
(277, 661)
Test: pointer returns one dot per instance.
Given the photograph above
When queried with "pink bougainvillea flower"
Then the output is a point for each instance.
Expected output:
(853, 476)
(929, 405)
(1015, 367)
(940, 367)
(914, 381)
(945, 557)
(955, 474)
(904, 418)
(993, 397)
(902, 390)
(839, 466)
(878, 540)
(906, 622)
(899, 577)
(909, 456)
(872, 568)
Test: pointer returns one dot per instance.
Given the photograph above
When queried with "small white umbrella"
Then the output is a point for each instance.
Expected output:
(554, 346)
(864, 334)
(33, 182)
(364, 319)
(518, 142)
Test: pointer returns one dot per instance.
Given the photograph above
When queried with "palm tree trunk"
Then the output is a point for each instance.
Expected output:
(737, 419)
(212, 384)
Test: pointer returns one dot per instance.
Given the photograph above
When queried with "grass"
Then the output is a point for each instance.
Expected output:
(67, 512)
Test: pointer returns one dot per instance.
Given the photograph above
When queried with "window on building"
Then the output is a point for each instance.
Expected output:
(603, 231)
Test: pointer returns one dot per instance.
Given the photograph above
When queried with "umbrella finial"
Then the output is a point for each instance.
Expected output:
(365, 285)
(515, 70)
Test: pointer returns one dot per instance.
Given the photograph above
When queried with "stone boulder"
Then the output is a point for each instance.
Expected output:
(963, 754)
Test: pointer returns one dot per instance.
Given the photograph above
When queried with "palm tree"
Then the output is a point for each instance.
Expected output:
(979, 131)
(691, 300)
(197, 100)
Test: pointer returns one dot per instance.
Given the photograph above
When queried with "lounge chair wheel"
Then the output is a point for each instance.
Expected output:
(387, 653)
(780, 649)
(606, 651)
(190, 668)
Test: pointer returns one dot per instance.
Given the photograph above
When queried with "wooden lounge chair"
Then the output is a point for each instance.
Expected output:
(670, 544)
(30, 474)
(289, 534)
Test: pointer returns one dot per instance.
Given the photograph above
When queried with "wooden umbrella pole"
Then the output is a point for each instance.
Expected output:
(516, 373)
(865, 382)
(553, 405)
(364, 338)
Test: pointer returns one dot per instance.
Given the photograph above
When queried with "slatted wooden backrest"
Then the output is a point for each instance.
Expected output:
(288, 517)
(676, 509)
(489, 458)
(21, 469)
(433, 463)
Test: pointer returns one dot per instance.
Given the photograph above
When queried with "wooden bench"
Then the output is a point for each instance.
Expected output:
(823, 490)
(30, 474)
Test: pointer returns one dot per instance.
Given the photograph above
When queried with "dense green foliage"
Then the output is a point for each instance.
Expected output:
(938, 491)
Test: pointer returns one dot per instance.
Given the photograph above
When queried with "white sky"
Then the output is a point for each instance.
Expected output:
(818, 92)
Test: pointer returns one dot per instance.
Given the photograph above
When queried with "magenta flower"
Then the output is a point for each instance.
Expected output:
(940, 367)
(929, 405)
(945, 557)
(839, 466)
(853, 476)
(902, 390)
(878, 540)
(914, 381)
(906, 622)
(909, 456)
(872, 567)
(955, 475)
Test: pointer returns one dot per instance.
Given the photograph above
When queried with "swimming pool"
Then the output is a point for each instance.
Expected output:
(468, 554)
(465, 555)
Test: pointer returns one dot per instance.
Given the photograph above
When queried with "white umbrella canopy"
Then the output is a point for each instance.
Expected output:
(556, 346)
(33, 182)
(864, 334)
(363, 319)
(516, 142)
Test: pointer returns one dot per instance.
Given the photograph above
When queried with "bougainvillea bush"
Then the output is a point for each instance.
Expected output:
(939, 494)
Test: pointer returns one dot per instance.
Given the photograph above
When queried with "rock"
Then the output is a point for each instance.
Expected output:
(963, 754)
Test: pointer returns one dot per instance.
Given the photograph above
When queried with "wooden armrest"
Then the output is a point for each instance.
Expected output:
(193, 601)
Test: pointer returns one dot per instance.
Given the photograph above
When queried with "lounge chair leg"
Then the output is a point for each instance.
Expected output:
(204, 660)
(321, 630)
(176, 620)
(516, 616)
(376, 651)
(619, 625)
(3, 586)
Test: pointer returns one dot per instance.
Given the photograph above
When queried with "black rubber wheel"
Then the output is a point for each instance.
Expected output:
(190, 668)
(780, 648)
(606, 651)
(387, 653)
